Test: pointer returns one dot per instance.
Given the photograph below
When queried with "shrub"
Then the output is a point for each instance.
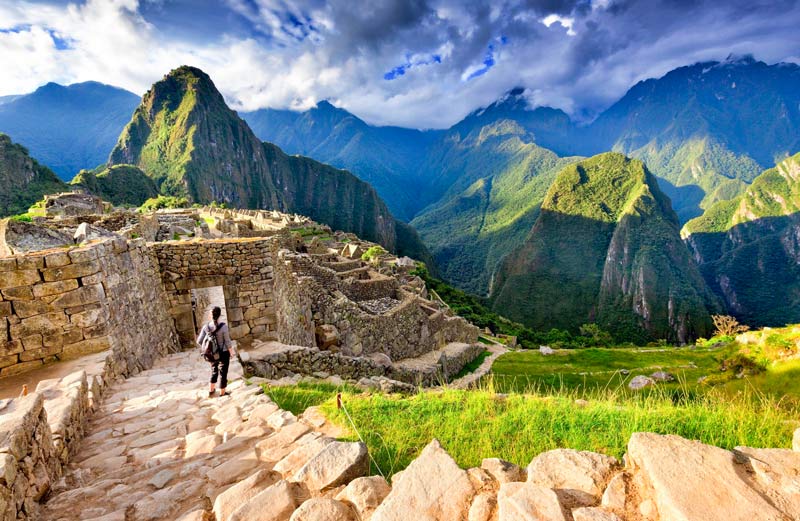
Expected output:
(727, 325)
(373, 254)
(595, 335)
(23, 217)
(162, 202)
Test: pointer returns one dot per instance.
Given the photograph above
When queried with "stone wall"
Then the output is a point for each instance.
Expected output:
(278, 361)
(313, 295)
(70, 302)
(243, 267)
(29, 463)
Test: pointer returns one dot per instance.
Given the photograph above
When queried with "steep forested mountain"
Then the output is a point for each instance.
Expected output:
(24, 180)
(748, 248)
(606, 248)
(185, 138)
(388, 158)
(68, 128)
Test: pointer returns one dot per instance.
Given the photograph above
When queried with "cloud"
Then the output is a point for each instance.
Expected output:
(421, 63)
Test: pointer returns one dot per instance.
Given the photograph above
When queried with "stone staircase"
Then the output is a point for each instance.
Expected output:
(159, 448)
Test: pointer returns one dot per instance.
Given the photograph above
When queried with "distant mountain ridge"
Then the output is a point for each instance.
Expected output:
(68, 128)
(388, 158)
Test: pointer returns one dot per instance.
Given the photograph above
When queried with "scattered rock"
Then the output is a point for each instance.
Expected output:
(502, 471)
(640, 382)
(615, 494)
(546, 350)
(322, 509)
(482, 508)
(578, 477)
(336, 464)
(431, 488)
(365, 494)
(528, 502)
(662, 376)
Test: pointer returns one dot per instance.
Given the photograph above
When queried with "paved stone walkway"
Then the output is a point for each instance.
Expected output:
(159, 448)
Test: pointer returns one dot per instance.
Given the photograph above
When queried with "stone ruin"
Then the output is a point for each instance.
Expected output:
(120, 429)
(293, 303)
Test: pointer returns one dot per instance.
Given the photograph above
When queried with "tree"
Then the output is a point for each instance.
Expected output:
(727, 325)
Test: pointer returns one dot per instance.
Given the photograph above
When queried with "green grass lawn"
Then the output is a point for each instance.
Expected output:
(599, 368)
(574, 398)
(473, 425)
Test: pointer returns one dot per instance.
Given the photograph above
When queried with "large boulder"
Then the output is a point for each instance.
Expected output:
(528, 502)
(365, 494)
(639, 382)
(688, 480)
(23, 237)
(322, 509)
(230, 500)
(336, 464)
(275, 503)
(777, 476)
(431, 488)
(578, 477)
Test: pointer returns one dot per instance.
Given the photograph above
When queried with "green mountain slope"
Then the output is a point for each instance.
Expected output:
(606, 248)
(185, 138)
(748, 248)
(474, 226)
(119, 184)
(24, 180)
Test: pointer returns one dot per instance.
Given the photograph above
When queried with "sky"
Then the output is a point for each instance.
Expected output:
(414, 63)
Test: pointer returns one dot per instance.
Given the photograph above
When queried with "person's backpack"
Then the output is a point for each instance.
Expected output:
(210, 347)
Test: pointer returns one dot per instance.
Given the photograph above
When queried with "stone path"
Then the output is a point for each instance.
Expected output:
(472, 378)
(159, 448)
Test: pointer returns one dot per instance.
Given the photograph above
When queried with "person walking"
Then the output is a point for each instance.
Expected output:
(219, 368)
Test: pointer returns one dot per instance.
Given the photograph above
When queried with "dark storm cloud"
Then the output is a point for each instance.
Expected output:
(423, 63)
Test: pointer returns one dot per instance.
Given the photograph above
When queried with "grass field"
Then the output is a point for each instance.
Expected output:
(473, 425)
(578, 399)
(598, 368)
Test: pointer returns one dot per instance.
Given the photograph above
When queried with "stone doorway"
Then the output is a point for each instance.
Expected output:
(203, 302)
